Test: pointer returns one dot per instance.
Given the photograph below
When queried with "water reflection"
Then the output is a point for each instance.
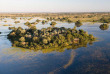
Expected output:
(70, 61)
(17, 54)
(31, 60)
(85, 59)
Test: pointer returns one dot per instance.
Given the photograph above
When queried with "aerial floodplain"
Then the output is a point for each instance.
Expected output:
(54, 37)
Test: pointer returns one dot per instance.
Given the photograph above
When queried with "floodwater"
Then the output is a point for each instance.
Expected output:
(92, 59)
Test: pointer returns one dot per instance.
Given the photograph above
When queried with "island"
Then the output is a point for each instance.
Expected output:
(104, 26)
(51, 37)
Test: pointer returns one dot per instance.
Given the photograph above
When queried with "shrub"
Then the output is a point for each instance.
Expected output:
(104, 26)
(78, 23)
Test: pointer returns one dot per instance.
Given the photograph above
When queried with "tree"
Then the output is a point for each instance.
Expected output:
(49, 37)
(45, 41)
(78, 23)
(33, 28)
(44, 21)
(69, 21)
(38, 20)
(104, 20)
(104, 26)
(53, 23)
(35, 39)
(22, 39)
(28, 24)
(17, 22)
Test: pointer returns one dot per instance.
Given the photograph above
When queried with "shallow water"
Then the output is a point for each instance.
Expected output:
(92, 59)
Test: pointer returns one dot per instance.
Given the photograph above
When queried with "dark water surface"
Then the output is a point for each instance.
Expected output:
(94, 58)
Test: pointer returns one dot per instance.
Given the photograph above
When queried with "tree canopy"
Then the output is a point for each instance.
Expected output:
(78, 23)
(51, 37)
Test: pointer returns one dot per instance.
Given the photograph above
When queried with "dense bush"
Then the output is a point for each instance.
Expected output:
(78, 23)
(30, 24)
(44, 21)
(51, 37)
(12, 28)
(17, 22)
(63, 19)
(53, 23)
(27, 24)
(38, 20)
(104, 26)
(105, 20)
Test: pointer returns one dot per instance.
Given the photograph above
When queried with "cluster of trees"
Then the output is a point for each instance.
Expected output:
(105, 20)
(0, 32)
(30, 24)
(50, 18)
(27, 24)
(11, 28)
(104, 26)
(38, 20)
(78, 23)
(17, 22)
(44, 21)
(53, 23)
(30, 18)
(51, 37)
(64, 19)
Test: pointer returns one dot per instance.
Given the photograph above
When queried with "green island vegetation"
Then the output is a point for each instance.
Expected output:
(30, 18)
(64, 19)
(78, 23)
(84, 17)
(44, 21)
(30, 24)
(33, 23)
(0, 32)
(5, 21)
(62, 48)
(53, 23)
(51, 37)
(38, 20)
(27, 24)
(105, 20)
(17, 22)
(11, 28)
(13, 17)
(104, 26)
